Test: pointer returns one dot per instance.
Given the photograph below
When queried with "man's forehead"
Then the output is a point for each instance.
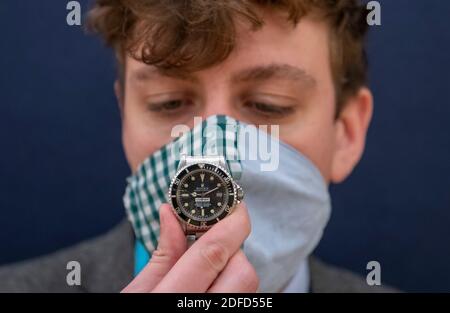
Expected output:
(274, 51)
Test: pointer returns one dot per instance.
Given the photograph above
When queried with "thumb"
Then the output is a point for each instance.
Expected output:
(171, 246)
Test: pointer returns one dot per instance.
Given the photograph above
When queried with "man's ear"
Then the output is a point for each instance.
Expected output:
(119, 92)
(350, 134)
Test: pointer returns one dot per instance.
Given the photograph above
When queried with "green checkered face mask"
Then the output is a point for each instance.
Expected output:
(286, 196)
(147, 189)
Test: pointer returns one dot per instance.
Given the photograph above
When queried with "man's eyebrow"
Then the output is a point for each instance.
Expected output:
(274, 70)
(148, 73)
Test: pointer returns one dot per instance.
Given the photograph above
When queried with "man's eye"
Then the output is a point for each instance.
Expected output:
(269, 109)
(168, 106)
(171, 105)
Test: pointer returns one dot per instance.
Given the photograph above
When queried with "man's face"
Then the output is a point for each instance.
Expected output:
(277, 75)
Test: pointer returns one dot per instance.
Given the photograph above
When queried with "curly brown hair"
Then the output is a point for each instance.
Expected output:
(189, 35)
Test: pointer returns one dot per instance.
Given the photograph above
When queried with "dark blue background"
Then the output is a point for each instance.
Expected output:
(62, 168)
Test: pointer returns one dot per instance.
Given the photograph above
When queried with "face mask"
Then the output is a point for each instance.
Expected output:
(286, 196)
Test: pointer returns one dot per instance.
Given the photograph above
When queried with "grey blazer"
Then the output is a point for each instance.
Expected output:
(107, 266)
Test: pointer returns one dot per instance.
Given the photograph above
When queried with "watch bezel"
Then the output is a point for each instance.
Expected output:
(196, 224)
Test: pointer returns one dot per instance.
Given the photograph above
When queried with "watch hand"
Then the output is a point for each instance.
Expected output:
(204, 194)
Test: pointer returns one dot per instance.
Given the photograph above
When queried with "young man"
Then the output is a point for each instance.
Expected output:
(299, 64)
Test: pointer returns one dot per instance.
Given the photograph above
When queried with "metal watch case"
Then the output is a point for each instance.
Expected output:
(190, 225)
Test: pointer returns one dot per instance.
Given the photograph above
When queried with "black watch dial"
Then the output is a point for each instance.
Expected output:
(202, 194)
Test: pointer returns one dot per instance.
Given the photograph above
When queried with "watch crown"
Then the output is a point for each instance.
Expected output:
(240, 193)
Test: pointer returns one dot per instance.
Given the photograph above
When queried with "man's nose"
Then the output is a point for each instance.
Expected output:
(218, 106)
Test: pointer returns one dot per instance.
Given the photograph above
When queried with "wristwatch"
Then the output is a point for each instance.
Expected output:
(202, 193)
